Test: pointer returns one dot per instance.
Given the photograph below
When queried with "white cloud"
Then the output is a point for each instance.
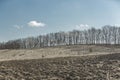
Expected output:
(117, 25)
(17, 26)
(36, 24)
(82, 27)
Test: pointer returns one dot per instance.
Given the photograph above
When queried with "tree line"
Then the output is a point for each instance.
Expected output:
(106, 35)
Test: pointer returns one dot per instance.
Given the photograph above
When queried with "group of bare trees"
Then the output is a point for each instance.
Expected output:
(105, 35)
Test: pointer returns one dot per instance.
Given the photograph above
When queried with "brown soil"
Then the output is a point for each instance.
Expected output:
(94, 67)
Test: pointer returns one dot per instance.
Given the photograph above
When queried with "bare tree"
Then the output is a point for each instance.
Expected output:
(105, 35)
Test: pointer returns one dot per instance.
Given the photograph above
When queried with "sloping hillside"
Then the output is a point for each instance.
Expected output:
(60, 51)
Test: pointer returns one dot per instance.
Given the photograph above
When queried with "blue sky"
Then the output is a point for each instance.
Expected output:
(23, 18)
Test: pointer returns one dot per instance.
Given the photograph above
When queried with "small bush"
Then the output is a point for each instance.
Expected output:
(90, 50)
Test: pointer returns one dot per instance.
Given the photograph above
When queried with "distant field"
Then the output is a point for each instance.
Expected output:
(60, 51)
(76, 62)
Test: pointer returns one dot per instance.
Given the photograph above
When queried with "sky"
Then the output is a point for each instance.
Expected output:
(25, 18)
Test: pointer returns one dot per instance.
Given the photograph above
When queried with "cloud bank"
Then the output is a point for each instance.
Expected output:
(82, 26)
(18, 26)
(35, 24)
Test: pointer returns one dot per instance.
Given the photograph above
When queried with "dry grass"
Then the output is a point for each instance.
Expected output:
(62, 51)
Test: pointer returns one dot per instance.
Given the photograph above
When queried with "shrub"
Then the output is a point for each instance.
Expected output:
(90, 50)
